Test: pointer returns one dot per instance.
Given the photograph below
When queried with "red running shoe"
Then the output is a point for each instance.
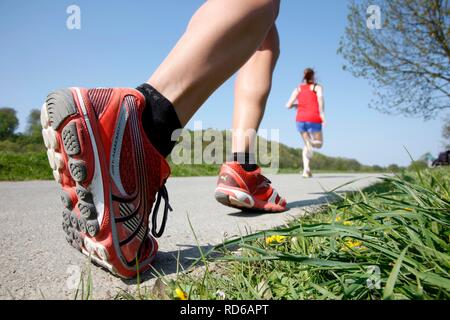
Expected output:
(249, 191)
(109, 172)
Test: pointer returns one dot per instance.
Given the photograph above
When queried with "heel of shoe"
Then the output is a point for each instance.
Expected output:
(60, 119)
(222, 198)
(234, 198)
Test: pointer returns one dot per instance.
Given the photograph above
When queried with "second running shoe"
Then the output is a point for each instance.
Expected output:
(249, 191)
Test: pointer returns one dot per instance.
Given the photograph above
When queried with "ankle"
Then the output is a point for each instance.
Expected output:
(159, 119)
(246, 160)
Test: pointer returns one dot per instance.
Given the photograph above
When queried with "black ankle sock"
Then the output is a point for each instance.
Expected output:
(246, 160)
(159, 119)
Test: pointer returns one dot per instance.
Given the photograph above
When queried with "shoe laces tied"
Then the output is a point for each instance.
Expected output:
(162, 193)
(266, 180)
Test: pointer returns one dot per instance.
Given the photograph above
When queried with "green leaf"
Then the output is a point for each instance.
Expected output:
(325, 292)
(389, 289)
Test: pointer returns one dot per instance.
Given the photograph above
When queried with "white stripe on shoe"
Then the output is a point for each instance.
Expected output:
(273, 197)
(97, 179)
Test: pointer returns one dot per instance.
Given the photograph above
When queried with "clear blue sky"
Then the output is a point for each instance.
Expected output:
(121, 42)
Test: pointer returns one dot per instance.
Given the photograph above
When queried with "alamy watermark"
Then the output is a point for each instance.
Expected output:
(215, 147)
(73, 21)
(374, 17)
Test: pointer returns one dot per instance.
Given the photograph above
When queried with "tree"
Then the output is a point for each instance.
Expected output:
(377, 168)
(418, 165)
(407, 59)
(446, 133)
(34, 123)
(427, 158)
(8, 123)
(393, 168)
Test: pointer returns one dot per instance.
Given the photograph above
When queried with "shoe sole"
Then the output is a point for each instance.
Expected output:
(227, 199)
(60, 120)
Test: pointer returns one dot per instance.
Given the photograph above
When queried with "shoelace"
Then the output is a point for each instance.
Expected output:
(265, 180)
(162, 193)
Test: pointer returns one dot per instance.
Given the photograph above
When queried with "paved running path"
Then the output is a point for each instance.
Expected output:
(36, 262)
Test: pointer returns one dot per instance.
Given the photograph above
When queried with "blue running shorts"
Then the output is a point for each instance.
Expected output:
(310, 127)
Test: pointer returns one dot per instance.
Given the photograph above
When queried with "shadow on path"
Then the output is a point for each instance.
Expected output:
(166, 263)
(326, 198)
(312, 202)
(247, 214)
(330, 177)
(329, 193)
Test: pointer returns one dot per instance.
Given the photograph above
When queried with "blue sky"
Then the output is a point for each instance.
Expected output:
(121, 42)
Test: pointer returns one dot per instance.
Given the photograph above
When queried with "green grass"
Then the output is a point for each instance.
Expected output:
(390, 241)
(33, 165)
(24, 166)
(316, 171)
(194, 170)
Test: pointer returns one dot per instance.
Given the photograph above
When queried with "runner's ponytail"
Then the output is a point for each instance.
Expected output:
(309, 76)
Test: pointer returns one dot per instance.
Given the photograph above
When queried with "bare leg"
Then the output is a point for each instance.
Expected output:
(312, 140)
(252, 89)
(317, 139)
(307, 153)
(220, 38)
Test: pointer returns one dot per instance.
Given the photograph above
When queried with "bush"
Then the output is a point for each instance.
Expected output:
(24, 166)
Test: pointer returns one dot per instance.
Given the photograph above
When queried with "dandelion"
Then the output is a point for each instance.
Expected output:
(345, 223)
(275, 239)
(353, 244)
(180, 294)
(408, 209)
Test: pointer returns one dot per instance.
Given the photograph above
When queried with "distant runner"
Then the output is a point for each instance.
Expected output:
(308, 98)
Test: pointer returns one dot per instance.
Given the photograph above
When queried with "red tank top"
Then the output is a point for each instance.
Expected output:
(308, 105)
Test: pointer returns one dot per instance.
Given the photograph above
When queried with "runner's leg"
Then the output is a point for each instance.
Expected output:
(252, 89)
(317, 139)
(307, 152)
(221, 36)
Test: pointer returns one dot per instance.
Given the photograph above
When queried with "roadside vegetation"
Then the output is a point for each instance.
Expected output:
(390, 241)
(23, 155)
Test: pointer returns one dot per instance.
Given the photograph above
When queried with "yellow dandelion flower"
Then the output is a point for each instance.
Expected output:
(348, 223)
(181, 294)
(338, 219)
(275, 239)
(355, 243)
(352, 244)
